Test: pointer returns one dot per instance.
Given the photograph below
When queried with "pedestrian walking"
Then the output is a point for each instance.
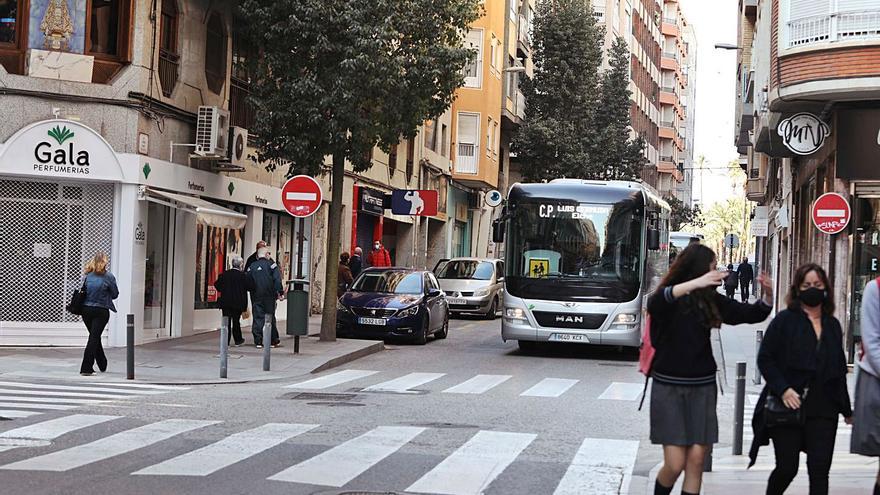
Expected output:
(356, 264)
(266, 290)
(379, 256)
(801, 358)
(730, 282)
(865, 438)
(253, 257)
(234, 286)
(345, 277)
(684, 310)
(101, 290)
(746, 277)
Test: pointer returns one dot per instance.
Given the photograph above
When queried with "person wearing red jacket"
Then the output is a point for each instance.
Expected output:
(379, 256)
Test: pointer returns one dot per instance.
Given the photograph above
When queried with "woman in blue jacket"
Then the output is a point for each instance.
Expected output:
(101, 290)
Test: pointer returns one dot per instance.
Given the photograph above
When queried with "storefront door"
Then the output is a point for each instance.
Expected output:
(866, 259)
(157, 273)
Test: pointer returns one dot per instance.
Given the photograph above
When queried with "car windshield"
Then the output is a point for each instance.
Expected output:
(466, 269)
(389, 282)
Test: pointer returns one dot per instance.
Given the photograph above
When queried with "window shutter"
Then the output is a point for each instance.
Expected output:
(467, 128)
(856, 5)
(800, 9)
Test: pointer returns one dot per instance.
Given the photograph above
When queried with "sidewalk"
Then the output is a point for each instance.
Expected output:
(849, 473)
(192, 360)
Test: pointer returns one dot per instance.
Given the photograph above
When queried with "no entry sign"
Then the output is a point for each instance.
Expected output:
(301, 196)
(831, 213)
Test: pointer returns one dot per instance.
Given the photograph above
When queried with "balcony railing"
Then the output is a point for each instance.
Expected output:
(169, 64)
(520, 105)
(667, 123)
(836, 26)
(666, 158)
(672, 55)
(668, 89)
(241, 111)
(525, 35)
(466, 158)
(670, 20)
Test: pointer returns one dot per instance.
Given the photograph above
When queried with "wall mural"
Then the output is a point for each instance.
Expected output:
(61, 25)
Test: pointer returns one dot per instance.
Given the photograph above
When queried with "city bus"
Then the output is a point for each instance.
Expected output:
(581, 257)
(680, 240)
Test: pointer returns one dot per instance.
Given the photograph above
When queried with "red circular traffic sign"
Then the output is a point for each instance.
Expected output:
(831, 213)
(301, 196)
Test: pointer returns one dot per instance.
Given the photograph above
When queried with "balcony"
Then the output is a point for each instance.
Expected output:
(467, 158)
(672, 55)
(524, 40)
(169, 64)
(833, 27)
(756, 189)
(520, 107)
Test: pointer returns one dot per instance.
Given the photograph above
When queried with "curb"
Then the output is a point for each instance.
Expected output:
(351, 356)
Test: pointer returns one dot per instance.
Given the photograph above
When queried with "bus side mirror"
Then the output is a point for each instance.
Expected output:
(653, 239)
(498, 231)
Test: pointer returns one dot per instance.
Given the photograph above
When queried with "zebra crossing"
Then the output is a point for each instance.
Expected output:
(597, 466)
(421, 382)
(20, 400)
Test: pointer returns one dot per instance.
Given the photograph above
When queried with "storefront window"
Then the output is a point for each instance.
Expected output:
(215, 247)
(155, 278)
(866, 262)
(8, 17)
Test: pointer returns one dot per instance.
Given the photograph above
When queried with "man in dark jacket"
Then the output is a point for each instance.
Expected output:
(746, 275)
(234, 285)
(356, 263)
(267, 289)
(253, 257)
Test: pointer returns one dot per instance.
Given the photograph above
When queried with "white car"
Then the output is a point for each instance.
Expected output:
(472, 285)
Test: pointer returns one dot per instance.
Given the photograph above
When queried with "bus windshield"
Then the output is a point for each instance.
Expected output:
(564, 250)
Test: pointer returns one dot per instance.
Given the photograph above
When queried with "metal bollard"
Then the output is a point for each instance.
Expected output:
(759, 337)
(267, 343)
(224, 346)
(739, 408)
(129, 346)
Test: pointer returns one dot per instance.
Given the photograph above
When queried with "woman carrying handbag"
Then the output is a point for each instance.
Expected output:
(101, 290)
(802, 360)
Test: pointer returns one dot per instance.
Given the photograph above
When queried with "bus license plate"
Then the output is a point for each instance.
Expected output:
(372, 321)
(453, 300)
(569, 337)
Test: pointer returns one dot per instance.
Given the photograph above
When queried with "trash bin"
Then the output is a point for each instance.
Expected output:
(297, 307)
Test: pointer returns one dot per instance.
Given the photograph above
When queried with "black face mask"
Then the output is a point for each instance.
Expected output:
(812, 297)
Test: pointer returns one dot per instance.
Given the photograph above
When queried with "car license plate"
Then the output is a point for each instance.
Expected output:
(568, 337)
(372, 321)
(455, 300)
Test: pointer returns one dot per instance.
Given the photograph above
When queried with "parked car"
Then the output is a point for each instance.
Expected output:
(393, 302)
(472, 285)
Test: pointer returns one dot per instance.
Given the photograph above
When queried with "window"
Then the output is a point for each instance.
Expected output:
(104, 27)
(468, 143)
(513, 7)
(410, 157)
(444, 141)
(392, 157)
(473, 71)
(497, 143)
(490, 139)
(240, 109)
(215, 53)
(431, 135)
(169, 57)
(8, 21)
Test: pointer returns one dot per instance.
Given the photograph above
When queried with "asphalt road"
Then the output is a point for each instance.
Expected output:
(469, 414)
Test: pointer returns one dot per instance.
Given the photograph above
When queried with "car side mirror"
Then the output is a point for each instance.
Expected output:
(434, 292)
(653, 239)
(498, 231)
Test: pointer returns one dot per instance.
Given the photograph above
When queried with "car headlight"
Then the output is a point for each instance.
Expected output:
(625, 319)
(481, 292)
(407, 312)
(342, 307)
(514, 313)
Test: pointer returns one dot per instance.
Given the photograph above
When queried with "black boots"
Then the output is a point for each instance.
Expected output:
(660, 489)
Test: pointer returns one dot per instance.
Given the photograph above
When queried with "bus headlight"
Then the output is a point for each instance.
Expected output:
(625, 319)
(514, 313)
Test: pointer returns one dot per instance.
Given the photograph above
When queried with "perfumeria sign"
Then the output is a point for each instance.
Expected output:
(59, 149)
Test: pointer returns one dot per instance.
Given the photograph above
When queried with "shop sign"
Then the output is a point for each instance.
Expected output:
(494, 198)
(803, 133)
(760, 226)
(831, 213)
(414, 202)
(372, 201)
(140, 235)
(60, 148)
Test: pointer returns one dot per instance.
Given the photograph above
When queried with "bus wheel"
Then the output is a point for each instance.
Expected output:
(527, 345)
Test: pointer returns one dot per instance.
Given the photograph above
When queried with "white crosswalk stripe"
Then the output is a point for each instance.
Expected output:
(345, 462)
(478, 384)
(600, 466)
(54, 428)
(332, 379)
(622, 391)
(473, 467)
(404, 384)
(26, 405)
(105, 448)
(550, 387)
(11, 413)
(226, 452)
(52, 388)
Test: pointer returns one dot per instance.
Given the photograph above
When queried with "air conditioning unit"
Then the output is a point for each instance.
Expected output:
(238, 141)
(212, 132)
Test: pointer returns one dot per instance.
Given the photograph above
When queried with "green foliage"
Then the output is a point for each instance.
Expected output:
(577, 119)
(683, 215)
(338, 77)
(729, 217)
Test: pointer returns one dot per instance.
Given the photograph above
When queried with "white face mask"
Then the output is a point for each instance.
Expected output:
(376, 247)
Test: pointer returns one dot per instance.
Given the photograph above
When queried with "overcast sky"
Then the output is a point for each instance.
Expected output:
(714, 21)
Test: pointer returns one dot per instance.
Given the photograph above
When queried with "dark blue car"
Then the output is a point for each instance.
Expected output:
(393, 302)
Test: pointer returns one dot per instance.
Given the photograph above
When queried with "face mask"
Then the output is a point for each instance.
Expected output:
(376, 247)
(812, 297)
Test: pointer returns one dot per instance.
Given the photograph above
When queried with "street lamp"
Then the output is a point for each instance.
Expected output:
(726, 46)
(515, 69)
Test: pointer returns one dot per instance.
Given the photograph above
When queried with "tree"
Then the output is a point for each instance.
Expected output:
(683, 214)
(616, 156)
(339, 77)
(558, 133)
(729, 217)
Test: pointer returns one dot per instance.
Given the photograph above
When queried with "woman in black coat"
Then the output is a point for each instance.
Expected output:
(802, 360)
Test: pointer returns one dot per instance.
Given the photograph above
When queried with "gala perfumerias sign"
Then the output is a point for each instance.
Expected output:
(59, 149)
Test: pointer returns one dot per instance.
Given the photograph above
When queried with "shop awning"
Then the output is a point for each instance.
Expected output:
(207, 212)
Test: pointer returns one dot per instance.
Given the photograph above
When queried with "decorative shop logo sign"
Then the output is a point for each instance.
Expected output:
(60, 158)
(803, 133)
(140, 235)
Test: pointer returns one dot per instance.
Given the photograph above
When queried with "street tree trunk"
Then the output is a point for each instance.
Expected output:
(334, 234)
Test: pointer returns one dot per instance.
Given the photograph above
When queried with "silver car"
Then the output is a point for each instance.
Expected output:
(472, 285)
